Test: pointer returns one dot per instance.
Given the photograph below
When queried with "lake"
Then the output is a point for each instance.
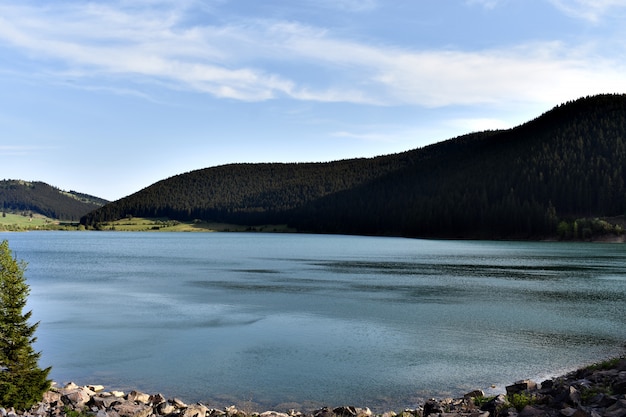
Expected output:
(278, 321)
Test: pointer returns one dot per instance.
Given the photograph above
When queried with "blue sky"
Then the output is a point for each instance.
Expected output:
(109, 97)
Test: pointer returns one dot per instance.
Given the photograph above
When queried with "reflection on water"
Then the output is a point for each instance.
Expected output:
(318, 320)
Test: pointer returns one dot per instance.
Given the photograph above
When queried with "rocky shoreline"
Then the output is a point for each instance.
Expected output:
(594, 391)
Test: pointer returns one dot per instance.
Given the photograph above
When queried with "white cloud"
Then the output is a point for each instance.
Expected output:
(351, 5)
(488, 4)
(17, 150)
(255, 60)
(591, 10)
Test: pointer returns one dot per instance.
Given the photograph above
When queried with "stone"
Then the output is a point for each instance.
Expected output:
(619, 387)
(519, 386)
(178, 403)
(363, 412)
(273, 414)
(105, 401)
(574, 396)
(568, 411)
(51, 397)
(196, 410)
(475, 394)
(157, 399)
(165, 408)
(77, 398)
(346, 411)
(96, 388)
(618, 412)
(139, 397)
(432, 407)
(130, 409)
(324, 412)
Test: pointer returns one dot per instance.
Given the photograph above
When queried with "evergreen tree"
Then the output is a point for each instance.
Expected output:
(22, 382)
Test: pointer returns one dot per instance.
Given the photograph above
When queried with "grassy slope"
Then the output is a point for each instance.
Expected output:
(19, 222)
(140, 224)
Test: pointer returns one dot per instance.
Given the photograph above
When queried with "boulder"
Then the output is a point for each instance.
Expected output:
(273, 414)
(138, 397)
(530, 411)
(196, 410)
(345, 411)
(105, 401)
(131, 409)
(617, 408)
(474, 394)
(519, 386)
(324, 412)
(157, 399)
(77, 398)
(165, 408)
(178, 403)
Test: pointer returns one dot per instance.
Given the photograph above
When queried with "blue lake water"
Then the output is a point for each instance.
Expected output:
(278, 321)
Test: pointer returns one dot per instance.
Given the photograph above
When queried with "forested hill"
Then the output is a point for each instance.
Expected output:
(37, 197)
(522, 182)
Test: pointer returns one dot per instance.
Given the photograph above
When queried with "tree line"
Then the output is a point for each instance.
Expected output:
(38, 197)
(522, 182)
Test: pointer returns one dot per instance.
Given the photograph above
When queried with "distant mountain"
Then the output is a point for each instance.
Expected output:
(524, 182)
(41, 198)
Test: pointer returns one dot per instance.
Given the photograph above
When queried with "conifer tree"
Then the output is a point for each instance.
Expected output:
(22, 382)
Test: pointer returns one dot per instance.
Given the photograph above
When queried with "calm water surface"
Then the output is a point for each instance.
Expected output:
(281, 321)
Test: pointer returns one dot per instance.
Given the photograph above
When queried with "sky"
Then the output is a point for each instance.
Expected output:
(109, 97)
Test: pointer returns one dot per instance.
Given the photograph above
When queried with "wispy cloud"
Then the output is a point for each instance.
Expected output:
(256, 60)
(17, 150)
(591, 10)
(488, 4)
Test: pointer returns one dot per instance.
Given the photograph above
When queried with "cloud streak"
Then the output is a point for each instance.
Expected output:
(591, 10)
(245, 60)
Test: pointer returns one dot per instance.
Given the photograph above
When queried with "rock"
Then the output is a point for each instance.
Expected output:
(619, 387)
(346, 411)
(105, 402)
(616, 410)
(165, 408)
(70, 386)
(324, 412)
(568, 411)
(197, 410)
(96, 388)
(574, 396)
(273, 414)
(363, 412)
(475, 394)
(530, 411)
(52, 397)
(77, 398)
(432, 407)
(519, 386)
(139, 397)
(156, 399)
(118, 394)
(130, 409)
(178, 403)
